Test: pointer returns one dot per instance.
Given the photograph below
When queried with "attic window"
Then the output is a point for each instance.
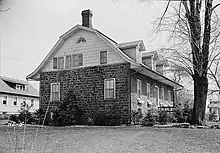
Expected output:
(81, 39)
(20, 87)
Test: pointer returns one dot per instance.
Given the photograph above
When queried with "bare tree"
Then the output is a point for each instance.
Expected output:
(193, 26)
(2, 9)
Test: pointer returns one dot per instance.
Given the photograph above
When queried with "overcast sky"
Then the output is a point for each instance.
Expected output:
(30, 28)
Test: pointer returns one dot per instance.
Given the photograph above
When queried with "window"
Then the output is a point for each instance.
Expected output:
(15, 101)
(60, 62)
(169, 95)
(68, 62)
(32, 102)
(139, 89)
(55, 91)
(77, 60)
(23, 104)
(103, 57)
(109, 88)
(4, 101)
(156, 95)
(20, 87)
(148, 91)
(162, 94)
(55, 63)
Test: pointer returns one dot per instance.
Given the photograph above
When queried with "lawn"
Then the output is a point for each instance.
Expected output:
(112, 139)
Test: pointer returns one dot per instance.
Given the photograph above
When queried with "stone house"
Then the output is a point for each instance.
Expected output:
(103, 72)
(14, 92)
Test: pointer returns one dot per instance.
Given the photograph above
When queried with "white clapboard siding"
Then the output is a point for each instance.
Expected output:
(131, 52)
(90, 49)
(10, 108)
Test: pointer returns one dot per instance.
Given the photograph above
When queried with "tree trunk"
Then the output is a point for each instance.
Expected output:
(200, 91)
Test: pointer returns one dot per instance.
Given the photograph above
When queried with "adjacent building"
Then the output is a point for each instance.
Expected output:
(103, 73)
(14, 93)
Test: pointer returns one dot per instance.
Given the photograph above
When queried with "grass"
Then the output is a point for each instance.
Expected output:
(110, 140)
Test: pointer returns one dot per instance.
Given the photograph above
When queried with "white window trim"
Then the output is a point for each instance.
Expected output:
(100, 58)
(51, 90)
(65, 60)
(64, 65)
(56, 63)
(163, 94)
(105, 88)
(169, 95)
(158, 95)
(31, 103)
(6, 99)
(16, 101)
(138, 80)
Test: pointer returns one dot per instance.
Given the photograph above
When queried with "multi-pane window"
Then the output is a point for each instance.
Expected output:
(60, 62)
(68, 62)
(103, 57)
(77, 60)
(24, 104)
(55, 91)
(32, 102)
(4, 101)
(55, 63)
(162, 94)
(139, 88)
(15, 101)
(109, 85)
(169, 95)
(148, 90)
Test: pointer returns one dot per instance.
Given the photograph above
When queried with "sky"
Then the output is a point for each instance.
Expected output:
(30, 28)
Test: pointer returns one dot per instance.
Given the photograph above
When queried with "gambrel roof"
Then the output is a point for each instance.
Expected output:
(117, 47)
(66, 35)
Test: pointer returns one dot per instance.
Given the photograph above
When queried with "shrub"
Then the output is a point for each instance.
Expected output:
(109, 118)
(136, 116)
(162, 117)
(14, 118)
(25, 117)
(150, 118)
(212, 116)
(183, 115)
(41, 119)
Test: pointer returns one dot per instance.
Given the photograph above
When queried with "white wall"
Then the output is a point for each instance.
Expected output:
(10, 108)
(90, 49)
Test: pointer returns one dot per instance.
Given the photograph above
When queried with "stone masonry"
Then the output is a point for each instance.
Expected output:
(88, 86)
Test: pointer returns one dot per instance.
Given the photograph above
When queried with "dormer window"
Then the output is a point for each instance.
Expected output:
(20, 87)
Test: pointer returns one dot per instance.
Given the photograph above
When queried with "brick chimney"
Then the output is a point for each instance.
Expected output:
(87, 18)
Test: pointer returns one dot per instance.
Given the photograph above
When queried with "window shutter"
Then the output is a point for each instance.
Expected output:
(80, 59)
(54, 63)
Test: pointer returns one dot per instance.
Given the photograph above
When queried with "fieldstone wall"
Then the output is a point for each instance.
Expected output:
(88, 86)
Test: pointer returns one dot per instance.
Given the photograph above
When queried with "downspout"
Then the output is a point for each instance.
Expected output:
(130, 87)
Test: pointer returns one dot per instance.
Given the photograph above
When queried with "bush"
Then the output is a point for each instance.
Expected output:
(183, 115)
(110, 118)
(41, 119)
(162, 117)
(25, 117)
(14, 118)
(136, 116)
(150, 118)
(212, 116)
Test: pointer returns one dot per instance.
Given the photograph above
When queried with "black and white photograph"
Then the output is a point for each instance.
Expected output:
(109, 76)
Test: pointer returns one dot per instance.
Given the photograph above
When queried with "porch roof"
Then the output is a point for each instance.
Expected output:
(157, 76)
